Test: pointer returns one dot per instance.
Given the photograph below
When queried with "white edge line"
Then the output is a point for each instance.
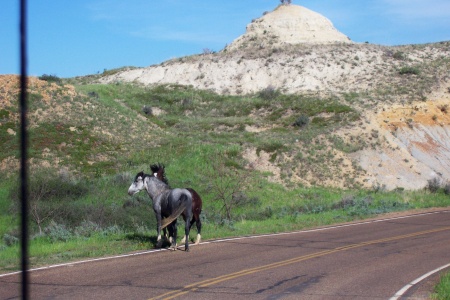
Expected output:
(404, 289)
(221, 241)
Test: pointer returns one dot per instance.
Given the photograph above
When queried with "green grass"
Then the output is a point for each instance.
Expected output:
(109, 222)
(442, 289)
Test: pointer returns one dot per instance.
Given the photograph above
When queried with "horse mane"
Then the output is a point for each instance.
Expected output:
(159, 169)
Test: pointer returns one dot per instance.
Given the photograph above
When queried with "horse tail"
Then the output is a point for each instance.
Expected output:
(165, 222)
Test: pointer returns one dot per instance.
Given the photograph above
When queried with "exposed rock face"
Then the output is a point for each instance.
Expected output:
(289, 24)
(417, 145)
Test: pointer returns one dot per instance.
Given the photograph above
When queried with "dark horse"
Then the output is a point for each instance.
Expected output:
(159, 172)
(167, 203)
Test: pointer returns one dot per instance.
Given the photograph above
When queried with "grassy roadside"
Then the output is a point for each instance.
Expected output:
(442, 289)
(296, 209)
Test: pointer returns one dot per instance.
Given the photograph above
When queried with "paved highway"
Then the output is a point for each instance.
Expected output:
(366, 260)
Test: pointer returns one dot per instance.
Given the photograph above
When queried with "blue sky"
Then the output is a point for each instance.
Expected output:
(72, 38)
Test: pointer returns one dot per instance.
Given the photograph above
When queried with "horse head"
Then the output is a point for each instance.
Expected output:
(138, 184)
(159, 172)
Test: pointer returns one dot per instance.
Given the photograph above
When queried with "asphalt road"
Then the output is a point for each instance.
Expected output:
(367, 260)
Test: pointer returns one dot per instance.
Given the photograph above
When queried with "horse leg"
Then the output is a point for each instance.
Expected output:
(170, 234)
(198, 223)
(173, 229)
(183, 240)
(167, 237)
(186, 234)
(158, 231)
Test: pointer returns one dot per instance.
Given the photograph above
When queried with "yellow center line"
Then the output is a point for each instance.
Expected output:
(208, 282)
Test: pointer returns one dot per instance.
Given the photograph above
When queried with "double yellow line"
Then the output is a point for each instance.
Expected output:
(205, 283)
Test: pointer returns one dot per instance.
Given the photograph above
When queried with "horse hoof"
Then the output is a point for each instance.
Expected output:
(174, 247)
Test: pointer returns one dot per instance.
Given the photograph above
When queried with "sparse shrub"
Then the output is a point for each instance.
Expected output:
(270, 147)
(10, 240)
(114, 229)
(227, 183)
(346, 201)
(207, 51)
(86, 229)
(123, 178)
(447, 188)
(361, 207)
(301, 121)
(186, 102)
(50, 78)
(147, 110)
(434, 184)
(269, 93)
(399, 55)
(409, 71)
(57, 232)
(258, 215)
(443, 108)
(47, 194)
(377, 187)
(4, 114)
(93, 95)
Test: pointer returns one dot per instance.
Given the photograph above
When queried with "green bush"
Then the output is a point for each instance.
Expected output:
(50, 78)
(399, 55)
(447, 188)
(57, 232)
(433, 185)
(409, 71)
(10, 240)
(86, 229)
(269, 93)
(301, 121)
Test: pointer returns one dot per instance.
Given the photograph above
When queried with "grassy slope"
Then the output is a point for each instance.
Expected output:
(105, 137)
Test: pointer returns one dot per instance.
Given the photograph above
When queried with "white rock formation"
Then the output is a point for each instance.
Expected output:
(289, 24)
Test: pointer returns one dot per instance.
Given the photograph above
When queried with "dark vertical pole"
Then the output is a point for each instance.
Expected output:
(23, 148)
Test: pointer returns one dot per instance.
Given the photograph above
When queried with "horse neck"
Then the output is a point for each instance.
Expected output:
(161, 175)
(155, 187)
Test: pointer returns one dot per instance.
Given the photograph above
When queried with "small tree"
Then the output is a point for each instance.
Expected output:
(48, 193)
(226, 182)
(207, 51)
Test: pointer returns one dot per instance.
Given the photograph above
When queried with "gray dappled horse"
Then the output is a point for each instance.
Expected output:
(167, 203)
(158, 171)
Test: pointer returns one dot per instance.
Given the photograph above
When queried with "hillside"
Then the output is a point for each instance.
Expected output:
(401, 92)
(316, 109)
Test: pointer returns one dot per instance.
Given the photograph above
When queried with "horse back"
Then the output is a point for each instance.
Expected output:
(182, 196)
(196, 201)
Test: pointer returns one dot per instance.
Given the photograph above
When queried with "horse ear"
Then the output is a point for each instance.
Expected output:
(140, 174)
(154, 168)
